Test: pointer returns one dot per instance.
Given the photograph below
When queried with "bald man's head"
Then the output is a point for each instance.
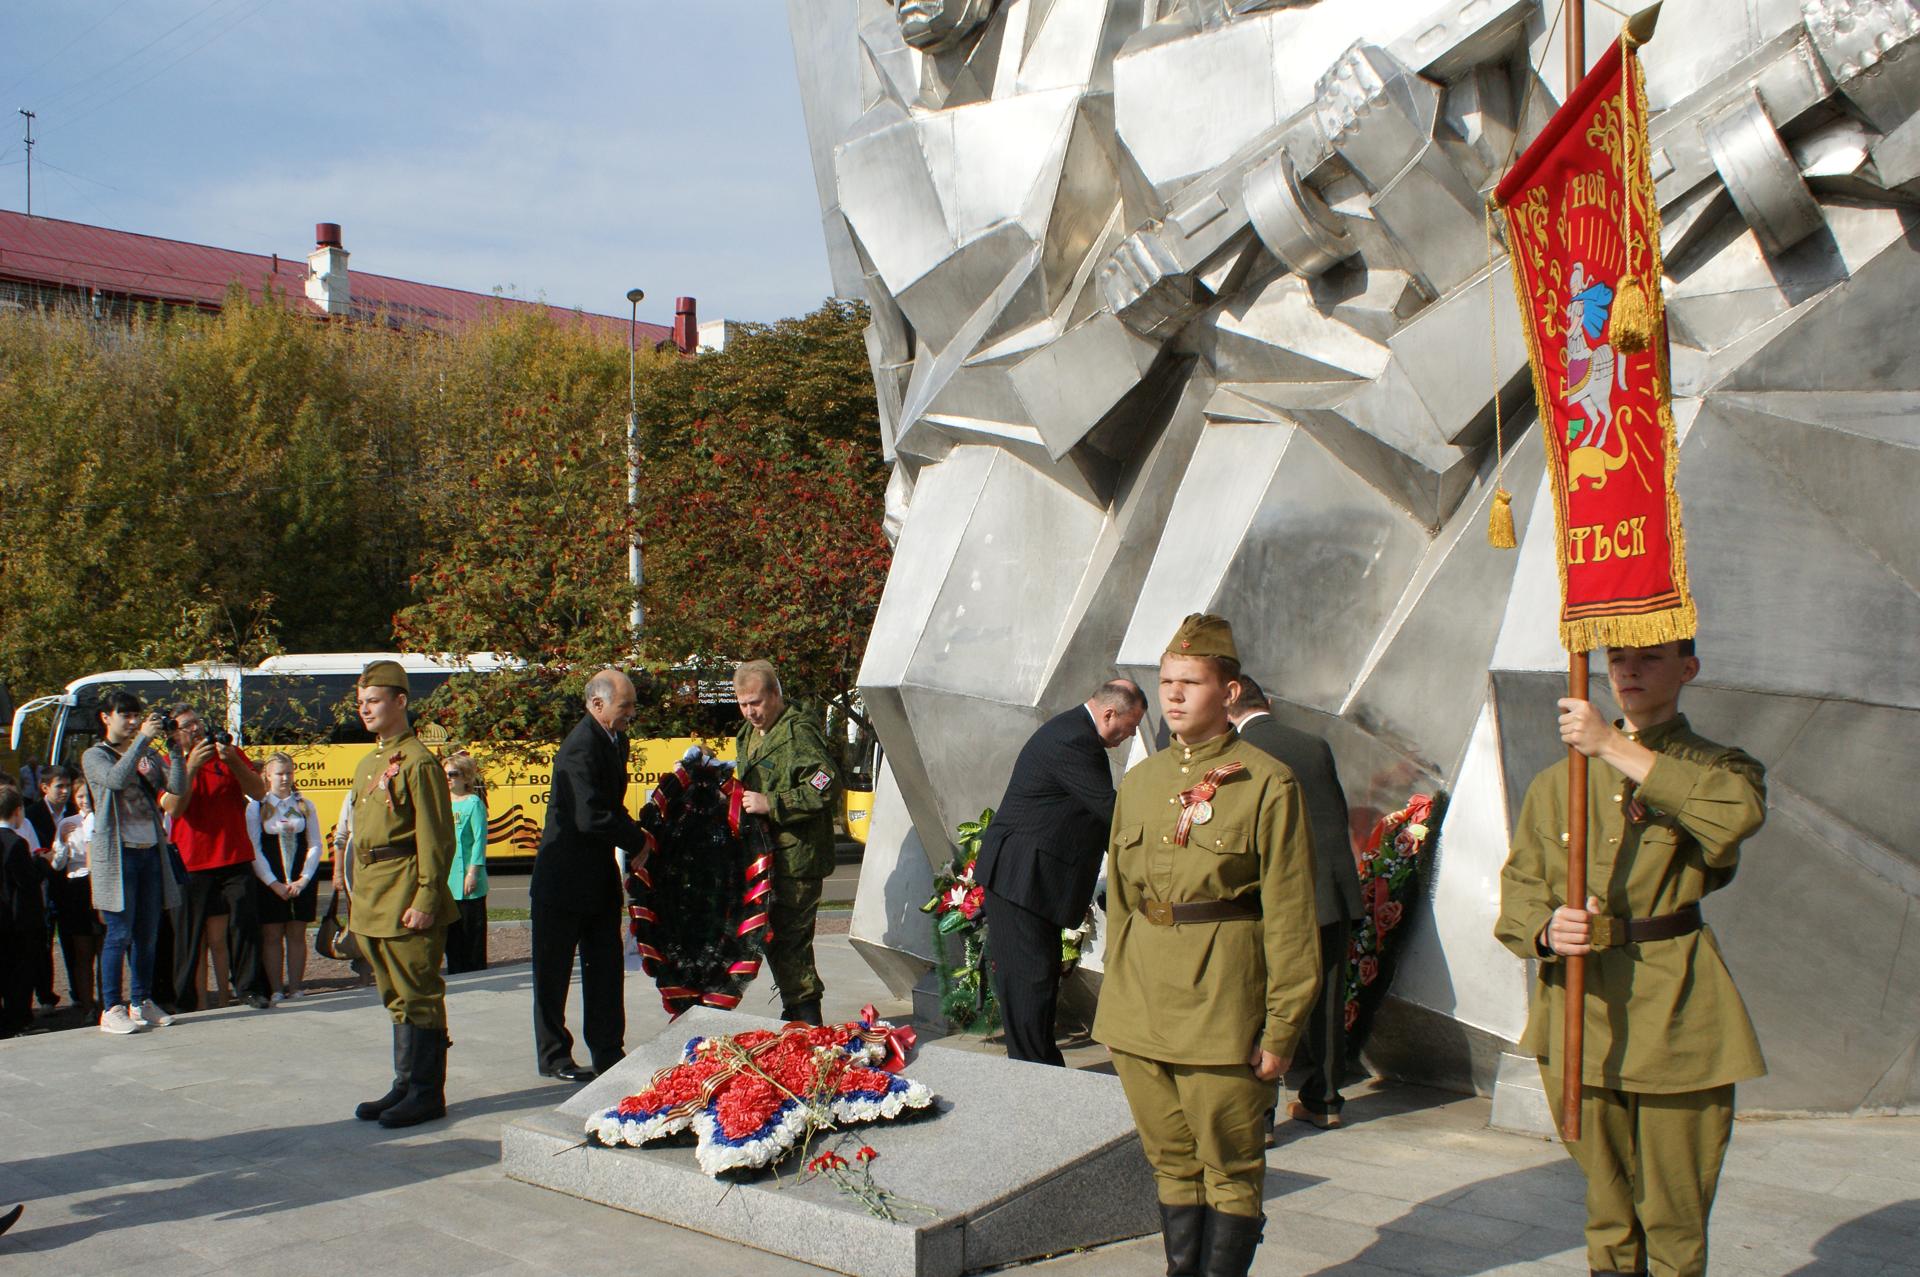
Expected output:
(610, 699)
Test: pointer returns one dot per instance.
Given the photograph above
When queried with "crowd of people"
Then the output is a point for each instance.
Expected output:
(176, 876)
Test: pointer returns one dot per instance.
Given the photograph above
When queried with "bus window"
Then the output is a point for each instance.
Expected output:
(313, 709)
(82, 727)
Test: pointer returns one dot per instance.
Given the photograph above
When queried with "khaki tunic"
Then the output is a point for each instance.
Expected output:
(413, 806)
(1206, 992)
(1661, 1017)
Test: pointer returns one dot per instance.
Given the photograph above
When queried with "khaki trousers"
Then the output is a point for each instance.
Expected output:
(407, 969)
(1204, 1130)
(1652, 1164)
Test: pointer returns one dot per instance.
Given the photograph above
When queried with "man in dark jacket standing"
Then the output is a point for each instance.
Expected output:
(576, 891)
(1041, 854)
(1321, 1060)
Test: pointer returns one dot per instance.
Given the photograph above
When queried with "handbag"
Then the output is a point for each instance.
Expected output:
(332, 939)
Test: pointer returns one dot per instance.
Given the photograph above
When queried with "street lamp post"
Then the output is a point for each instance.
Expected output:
(637, 616)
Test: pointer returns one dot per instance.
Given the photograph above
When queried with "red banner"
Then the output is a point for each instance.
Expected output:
(1583, 233)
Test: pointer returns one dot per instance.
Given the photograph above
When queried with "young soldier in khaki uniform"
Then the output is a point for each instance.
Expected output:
(1666, 1033)
(1213, 955)
(788, 771)
(403, 851)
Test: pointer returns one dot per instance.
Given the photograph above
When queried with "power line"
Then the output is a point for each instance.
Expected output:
(81, 87)
(48, 60)
(243, 17)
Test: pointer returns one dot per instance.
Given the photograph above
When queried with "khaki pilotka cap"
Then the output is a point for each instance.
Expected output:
(1204, 634)
(385, 674)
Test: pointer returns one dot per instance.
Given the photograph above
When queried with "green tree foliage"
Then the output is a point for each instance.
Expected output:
(224, 486)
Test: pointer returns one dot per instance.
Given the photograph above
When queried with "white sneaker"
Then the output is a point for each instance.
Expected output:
(281, 996)
(150, 1014)
(116, 1020)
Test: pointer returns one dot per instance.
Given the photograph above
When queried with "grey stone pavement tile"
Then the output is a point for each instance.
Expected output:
(226, 1144)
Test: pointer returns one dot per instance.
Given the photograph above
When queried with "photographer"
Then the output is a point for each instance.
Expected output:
(128, 869)
(219, 915)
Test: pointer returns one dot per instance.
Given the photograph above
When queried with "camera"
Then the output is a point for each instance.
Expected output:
(220, 737)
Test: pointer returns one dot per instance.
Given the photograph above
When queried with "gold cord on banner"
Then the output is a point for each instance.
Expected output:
(1633, 318)
(1500, 531)
(1500, 514)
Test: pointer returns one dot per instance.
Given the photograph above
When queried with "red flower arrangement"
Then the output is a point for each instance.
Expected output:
(1389, 868)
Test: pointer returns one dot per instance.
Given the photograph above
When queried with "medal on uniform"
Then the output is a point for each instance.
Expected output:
(1196, 805)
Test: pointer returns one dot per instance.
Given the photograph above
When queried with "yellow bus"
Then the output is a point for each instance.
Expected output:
(299, 705)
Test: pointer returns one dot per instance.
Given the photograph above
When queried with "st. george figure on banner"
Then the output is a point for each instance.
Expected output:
(698, 902)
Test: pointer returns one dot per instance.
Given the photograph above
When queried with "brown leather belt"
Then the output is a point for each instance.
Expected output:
(1610, 933)
(1162, 914)
(374, 855)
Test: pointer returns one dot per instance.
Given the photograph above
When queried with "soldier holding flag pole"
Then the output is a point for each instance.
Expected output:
(1635, 1021)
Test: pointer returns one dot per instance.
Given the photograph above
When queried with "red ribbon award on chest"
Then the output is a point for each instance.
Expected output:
(1583, 231)
(1196, 804)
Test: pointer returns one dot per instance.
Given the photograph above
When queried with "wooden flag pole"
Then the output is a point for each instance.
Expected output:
(1573, 1046)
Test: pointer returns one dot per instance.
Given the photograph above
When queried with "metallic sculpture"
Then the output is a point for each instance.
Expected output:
(1109, 242)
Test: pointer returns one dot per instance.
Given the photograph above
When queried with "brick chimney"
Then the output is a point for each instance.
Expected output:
(686, 326)
(327, 285)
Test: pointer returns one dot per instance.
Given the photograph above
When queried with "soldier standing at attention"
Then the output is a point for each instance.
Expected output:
(1666, 1033)
(403, 852)
(1213, 954)
(788, 771)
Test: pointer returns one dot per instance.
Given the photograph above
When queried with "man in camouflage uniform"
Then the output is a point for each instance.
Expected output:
(403, 853)
(1666, 1034)
(787, 768)
(1213, 954)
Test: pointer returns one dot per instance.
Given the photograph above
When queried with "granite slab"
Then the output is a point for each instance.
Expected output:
(1014, 1162)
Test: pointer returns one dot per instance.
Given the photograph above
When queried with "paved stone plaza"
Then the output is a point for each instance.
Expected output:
(226, 1143)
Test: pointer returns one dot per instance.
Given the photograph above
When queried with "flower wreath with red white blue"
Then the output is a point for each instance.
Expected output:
(752, 1098)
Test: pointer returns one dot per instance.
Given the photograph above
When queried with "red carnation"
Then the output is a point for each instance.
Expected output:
(1369, 970)
(866, 1154)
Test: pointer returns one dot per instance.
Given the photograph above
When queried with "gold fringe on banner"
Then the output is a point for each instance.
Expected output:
(1635, 310)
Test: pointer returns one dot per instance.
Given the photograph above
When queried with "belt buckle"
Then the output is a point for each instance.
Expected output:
(1608, 932)
(1158, 912)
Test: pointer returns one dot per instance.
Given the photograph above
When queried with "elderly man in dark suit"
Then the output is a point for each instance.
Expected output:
(1041, 854)
(1321, 1060)
(576, 890)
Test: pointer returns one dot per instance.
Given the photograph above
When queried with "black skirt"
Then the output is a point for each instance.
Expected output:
(274, 911)
(73, 906)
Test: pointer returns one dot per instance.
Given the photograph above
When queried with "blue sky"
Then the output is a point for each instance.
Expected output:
(559, 149)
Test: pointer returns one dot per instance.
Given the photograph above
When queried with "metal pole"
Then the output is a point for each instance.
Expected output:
(29, 115)
(1572, 1055)
(637, 617)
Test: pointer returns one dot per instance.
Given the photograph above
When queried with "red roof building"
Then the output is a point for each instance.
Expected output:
(45, 261)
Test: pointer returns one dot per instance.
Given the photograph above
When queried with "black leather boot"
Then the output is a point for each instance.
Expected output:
(426, 1082)
(402, 1066)
(805, 1012)
(1231, 1241)
(1184, 1230)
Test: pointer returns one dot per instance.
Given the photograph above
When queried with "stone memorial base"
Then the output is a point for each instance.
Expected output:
(1014, 1162)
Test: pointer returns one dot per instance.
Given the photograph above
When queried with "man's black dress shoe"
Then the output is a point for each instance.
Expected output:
(568, 1072)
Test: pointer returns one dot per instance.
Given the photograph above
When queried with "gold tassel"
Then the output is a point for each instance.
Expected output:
(1632, 317)
(1500, 521)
